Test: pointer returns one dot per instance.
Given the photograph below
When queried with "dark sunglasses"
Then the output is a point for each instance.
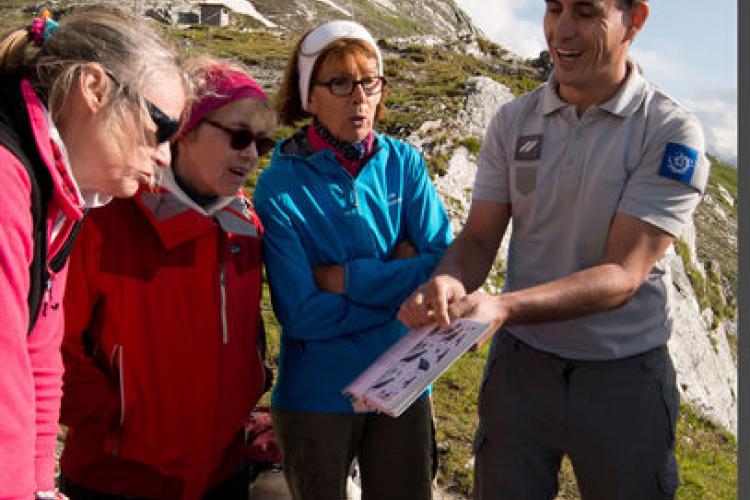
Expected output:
(239, 139)
(166, 126)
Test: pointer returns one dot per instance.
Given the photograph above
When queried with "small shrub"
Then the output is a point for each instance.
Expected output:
(472, 144)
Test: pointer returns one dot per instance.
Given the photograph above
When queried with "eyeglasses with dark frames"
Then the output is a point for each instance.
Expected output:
(341, 86)
(166, 126)
(239, 139)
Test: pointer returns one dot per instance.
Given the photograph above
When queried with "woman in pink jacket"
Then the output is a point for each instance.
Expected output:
(86, 112)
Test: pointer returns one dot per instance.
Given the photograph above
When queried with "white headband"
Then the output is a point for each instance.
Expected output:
(320, 38)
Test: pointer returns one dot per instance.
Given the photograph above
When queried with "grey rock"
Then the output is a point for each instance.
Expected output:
(484, 96)
(706, 370)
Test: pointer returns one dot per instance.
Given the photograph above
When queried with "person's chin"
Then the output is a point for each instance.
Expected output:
(125, 189)
(359, 134)
(228, 190)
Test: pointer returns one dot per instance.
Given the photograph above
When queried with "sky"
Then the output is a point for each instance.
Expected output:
(688, 48)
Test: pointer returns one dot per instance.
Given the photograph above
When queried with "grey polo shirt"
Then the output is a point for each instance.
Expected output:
(641, 153)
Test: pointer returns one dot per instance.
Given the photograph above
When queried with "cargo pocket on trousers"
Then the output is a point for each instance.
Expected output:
(669, 477)
(671, 401)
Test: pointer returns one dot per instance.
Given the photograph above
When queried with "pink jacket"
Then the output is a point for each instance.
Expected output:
(30, 365)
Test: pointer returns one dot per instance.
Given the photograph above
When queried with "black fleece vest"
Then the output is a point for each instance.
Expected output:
(17, 137)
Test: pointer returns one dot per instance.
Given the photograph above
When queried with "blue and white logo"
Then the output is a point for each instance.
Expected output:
(678, 162)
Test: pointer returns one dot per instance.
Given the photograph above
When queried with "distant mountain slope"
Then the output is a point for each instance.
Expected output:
(383, 17)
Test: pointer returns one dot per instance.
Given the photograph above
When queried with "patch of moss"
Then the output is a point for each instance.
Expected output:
(249, 47)
(724, 174)
(519, 84)
(490, 48)
(437, 164)
(472, 144)
(696, 277)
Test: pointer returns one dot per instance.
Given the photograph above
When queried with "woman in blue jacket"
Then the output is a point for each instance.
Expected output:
(352, 226)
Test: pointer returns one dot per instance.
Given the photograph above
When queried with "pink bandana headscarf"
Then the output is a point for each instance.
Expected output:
(225, 86)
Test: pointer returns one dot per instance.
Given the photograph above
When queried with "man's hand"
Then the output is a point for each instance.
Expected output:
(429, 303)
(482, 307)
(329, 278)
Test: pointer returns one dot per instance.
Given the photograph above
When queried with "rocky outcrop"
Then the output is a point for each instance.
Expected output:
(706, 370)
(384, 18)
(483, 98)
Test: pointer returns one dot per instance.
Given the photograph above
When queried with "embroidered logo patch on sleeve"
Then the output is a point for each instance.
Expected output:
(678, 162)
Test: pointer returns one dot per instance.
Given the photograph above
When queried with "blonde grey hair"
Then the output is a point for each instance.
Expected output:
(125, 46)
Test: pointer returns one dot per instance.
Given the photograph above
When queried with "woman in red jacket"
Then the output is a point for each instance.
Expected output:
(86, 112)
(163, 342)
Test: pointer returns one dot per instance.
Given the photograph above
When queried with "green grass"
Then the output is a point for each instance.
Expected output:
(707, 457)
(251, 47)
(455, 399)
(724, 174)
(11, 16)
(716, 240)
(472, 144)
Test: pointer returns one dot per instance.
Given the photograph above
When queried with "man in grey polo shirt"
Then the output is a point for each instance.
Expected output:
(599, 171)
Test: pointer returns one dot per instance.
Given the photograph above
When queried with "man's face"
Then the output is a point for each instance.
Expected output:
(588, 41)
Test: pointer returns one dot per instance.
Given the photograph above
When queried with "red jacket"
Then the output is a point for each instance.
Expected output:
(162, 351)
(30, 364)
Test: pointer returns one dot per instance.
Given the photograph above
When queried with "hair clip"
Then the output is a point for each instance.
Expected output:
(42, 28)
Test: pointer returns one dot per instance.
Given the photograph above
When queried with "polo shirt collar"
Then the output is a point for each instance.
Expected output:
(623, 104)
(631, 94)
(550, 100)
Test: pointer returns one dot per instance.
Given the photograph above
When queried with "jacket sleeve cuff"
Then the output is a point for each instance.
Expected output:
(45, 473)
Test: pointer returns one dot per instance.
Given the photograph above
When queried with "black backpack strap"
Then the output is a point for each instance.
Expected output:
(18, 138)
(58, 261)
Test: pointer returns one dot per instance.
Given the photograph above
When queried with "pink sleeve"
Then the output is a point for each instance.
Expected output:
(17, 393)
(46, 362)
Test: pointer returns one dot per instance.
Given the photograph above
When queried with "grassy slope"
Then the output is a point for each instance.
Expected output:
(711, 238)
(707, 455)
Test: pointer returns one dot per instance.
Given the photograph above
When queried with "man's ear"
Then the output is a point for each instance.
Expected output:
(93, 85)
(636, 18)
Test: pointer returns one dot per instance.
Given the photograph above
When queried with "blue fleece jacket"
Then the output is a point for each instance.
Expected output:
(314, 214)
